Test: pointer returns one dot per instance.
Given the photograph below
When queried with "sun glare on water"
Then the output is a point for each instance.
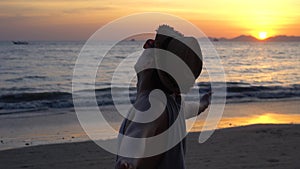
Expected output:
(262, 35)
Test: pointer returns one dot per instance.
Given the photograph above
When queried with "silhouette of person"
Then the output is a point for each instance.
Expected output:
(150, 79)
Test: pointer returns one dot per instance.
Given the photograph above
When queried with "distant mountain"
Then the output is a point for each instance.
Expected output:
(249, 38)
(243, 38)
(283, 38)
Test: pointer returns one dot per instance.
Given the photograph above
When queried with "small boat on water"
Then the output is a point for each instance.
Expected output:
(20, 42)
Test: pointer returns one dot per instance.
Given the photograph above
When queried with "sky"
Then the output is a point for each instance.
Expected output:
(79, 19)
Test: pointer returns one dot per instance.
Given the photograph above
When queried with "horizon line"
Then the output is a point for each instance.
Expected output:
(220, 37)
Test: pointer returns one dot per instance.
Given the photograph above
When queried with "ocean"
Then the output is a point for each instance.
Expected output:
(38, 76)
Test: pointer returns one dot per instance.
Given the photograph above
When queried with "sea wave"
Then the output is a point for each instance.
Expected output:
(236, 92)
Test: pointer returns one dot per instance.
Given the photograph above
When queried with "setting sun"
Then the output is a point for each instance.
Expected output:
(262, 35)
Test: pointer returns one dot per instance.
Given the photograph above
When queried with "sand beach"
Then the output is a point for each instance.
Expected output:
(255, 146)
(58, 141)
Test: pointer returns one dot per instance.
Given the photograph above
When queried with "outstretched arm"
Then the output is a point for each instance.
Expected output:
(192, 107)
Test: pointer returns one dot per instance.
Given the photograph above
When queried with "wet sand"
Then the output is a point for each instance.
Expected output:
(275, 146)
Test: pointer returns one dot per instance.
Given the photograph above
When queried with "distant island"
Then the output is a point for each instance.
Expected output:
(249, 38)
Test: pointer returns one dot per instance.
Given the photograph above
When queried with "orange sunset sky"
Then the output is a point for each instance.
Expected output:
(78, 19)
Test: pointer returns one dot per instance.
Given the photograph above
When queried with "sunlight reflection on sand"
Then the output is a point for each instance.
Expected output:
(267, 118)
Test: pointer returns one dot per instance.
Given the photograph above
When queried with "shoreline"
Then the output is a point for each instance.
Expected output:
(254, 146)
(64, 127)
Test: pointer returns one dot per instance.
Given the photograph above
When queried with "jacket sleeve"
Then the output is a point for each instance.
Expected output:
(193, 109)
(141, 130)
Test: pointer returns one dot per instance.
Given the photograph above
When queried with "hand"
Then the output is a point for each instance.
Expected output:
(205, 100)
(123, 165)
(149, 44)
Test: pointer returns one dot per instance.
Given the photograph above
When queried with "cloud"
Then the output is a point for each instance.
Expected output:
(40, 8)
(87, 9)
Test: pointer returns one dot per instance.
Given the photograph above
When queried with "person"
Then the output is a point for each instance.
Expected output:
(151, 79)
